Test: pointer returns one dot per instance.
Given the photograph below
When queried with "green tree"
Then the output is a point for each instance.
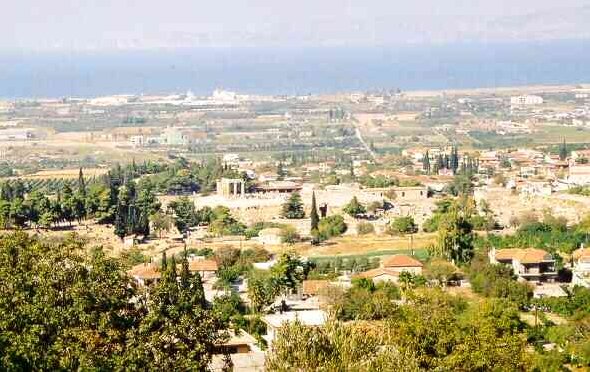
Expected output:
(354, 208)
(331, 226)
(161, 222)
(402, 226)
(365, 228)
(455, 238)
(289, 234)
(426, 163)
(288, 272)
(293, 208)
(563, 151)
(281, 171)
(262, 289)
(440, 270)
(177, 332)
(185, 214)
(334, 347)
(61, 309)
(81, 184)
(315, 220)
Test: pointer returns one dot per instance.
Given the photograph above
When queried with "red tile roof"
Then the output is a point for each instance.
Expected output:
(401, 260)
(528, 255)
(370, 274)
(145, 271)
(148, 271)
(202, 265)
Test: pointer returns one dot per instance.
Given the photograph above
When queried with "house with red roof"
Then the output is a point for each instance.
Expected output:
(392, 267)
(150, 273)
(530, 264)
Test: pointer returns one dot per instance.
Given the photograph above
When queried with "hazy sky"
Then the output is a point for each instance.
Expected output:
(121, 24)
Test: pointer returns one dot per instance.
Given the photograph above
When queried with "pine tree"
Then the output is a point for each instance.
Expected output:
(293, 208)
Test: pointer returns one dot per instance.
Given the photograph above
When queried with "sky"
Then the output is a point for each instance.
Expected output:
(148, 24)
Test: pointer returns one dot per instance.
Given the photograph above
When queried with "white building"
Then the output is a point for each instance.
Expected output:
(527, 100)
(532, 265)
(172, 136)
(309, 318)
(270, 236)
(231, 159)
(137, 141)
(581, 271)
(536, 188)
(357, 97)
(224, 96)
(579, 175)
(16, 134)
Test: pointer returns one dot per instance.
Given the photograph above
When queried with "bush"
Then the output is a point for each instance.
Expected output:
(365, 228)
(354, 208)
(498, 281)
(402, 225)
(289, 235)
(331, 226)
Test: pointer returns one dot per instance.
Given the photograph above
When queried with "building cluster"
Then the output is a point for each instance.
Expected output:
(169, 136)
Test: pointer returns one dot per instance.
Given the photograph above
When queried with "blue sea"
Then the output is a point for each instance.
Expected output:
(285, 70)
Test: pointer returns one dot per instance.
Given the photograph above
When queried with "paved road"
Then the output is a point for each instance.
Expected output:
(362, 141)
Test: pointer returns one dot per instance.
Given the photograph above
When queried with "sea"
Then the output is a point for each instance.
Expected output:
(292, 71)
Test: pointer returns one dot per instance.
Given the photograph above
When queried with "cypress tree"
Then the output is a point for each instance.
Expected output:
(315, 220)
(120, 223)
(440, 163)
(185, 274)
(563, 151)
(164, 263)
(197, 290)
(426, 163)
(454, 161)
(81, 184)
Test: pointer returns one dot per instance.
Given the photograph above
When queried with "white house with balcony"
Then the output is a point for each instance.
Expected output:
(530, 264)
(581, 269)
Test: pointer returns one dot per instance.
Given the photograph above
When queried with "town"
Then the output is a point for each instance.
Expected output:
(433, 230)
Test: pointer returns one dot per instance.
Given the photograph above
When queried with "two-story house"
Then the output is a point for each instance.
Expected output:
(581, 268)
(530, 264)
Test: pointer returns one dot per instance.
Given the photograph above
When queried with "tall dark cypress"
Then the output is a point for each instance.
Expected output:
(81, 184)
(563, 151)
(426, 163)
(315, 220)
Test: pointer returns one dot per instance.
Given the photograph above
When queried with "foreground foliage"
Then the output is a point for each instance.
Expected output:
(431, 331)
(64, 307)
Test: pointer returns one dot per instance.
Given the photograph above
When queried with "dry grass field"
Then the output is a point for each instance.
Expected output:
(65, 173)
(353, 245)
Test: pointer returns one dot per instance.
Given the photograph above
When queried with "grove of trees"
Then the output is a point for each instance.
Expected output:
(66, 306)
